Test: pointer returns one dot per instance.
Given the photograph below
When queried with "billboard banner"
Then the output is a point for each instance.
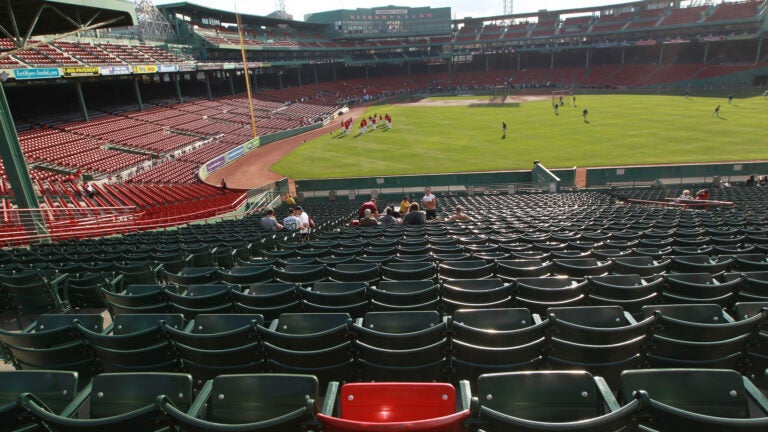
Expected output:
(187, 67)
(115, 70)
(83, 71)
(37, 73)
(168, 68)
(235, 153)
(220, 161)
(145, 69)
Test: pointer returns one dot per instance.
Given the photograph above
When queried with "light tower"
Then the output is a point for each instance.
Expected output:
(151, 23)
(280, 7)
(507, 6)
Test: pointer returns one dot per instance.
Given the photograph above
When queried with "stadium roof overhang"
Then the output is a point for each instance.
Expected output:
(194, 10)
(588, 9)
(22, 19)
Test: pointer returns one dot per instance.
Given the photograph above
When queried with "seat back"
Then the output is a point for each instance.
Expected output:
(251, 398)
(401, 322)
(389, 402)
(590, 316)
(218, 323)
(551, 396)
(119, 393)
(55, 388)
(714, 392)
(132, 323)
(45, 322)
(494, 319)
(302, 323)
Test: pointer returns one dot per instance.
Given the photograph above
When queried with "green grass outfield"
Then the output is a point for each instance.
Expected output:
(622, 130)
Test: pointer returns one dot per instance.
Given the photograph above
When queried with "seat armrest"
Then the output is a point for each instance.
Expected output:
(331, 396)
(465, 395)
(201, 400)
(607, 394)
(759, 398)
(74, 406)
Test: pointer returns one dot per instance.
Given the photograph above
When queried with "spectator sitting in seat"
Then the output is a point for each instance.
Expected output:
(702, 194)
(368, 219)
(459, 216)
(388, 218)
(269, 222)
(685, 196)
(415, 216)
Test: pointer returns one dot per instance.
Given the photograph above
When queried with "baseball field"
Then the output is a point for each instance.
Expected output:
(439, 135)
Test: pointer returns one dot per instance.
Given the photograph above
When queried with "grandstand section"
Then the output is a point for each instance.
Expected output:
(623, 288)
(147, 111)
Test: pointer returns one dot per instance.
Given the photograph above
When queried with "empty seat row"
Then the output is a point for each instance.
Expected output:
(651, 400)
(406, 346)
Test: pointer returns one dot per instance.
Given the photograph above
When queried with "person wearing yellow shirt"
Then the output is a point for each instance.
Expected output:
(404, 205)
(290, 201)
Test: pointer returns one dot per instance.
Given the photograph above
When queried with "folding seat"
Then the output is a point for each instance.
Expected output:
(380, 250)
(532, 254)
(538, 294)
(757, 348)
(386, 406)
(700, 264)
(495, 340)
(409, 271)
(657, 253)
(611, 253)
(696, 399)
(140, 272)
(570, 254)
(267, 294)
(752, 262)
(55, 389)
(698, 336)
(250, 402)
(244, 275)
(475, 294)
(52, 343)
(460, 256)
(400, 346)
(754, 286)
(35, 292)
(644, 265)
(414, 258)
(135, 342)
(515, 247)
(137, 299)
(363, 272)
(580, 267)
(279, 254)
(315, 343)
(301, 274)
(350, 297)
(282, 262)
(172, 261)
(630, 291)
(548, 400)
(191, 276)
(85, 289)
(331, 261)
(413, 250)
(118, 402)
(471, 269)
(198, 254)
(404, 295)
(686, 288)
(603, 340)
(692, 250)
(516, 268)
(224, 256)
(446, 248)
(197, 299)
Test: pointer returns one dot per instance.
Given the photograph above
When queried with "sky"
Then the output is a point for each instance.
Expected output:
(459, 8)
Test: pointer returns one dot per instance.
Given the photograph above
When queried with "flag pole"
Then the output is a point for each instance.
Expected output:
(247, 75)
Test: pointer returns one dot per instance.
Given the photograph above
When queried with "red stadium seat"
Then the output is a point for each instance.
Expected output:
(394, 406)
